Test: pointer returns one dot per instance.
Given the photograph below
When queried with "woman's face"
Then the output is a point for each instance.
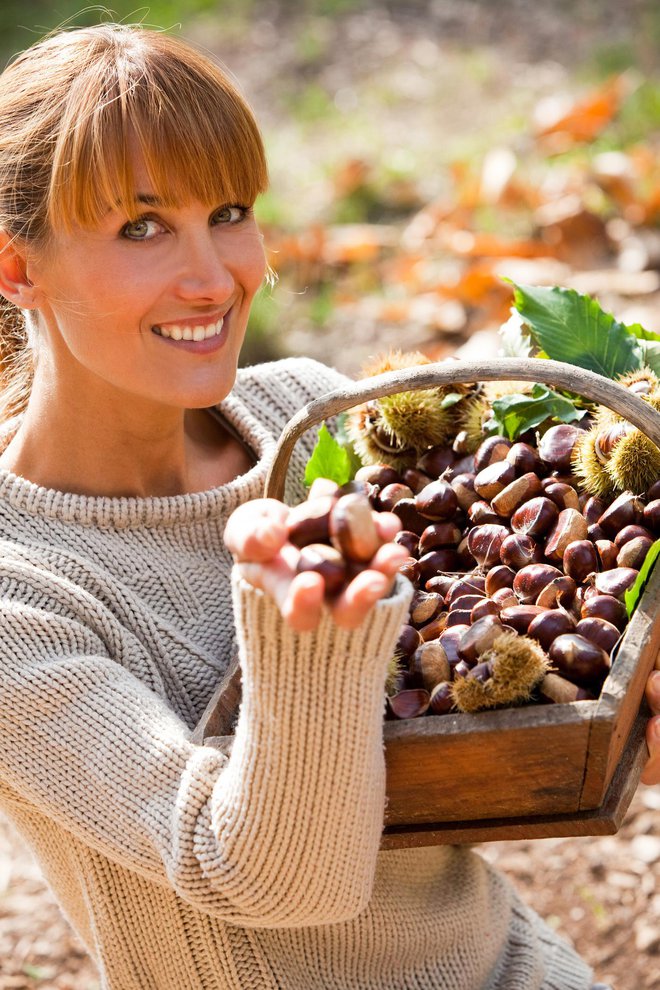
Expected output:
(118, 301)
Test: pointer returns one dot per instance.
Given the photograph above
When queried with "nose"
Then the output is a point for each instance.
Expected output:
(204, 273)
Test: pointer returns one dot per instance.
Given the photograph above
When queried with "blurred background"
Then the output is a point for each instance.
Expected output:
(420, 151)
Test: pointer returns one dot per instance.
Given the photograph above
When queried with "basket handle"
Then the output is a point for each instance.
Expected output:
(568, 376)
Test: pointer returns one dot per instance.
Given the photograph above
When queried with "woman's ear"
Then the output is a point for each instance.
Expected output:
(14, 282)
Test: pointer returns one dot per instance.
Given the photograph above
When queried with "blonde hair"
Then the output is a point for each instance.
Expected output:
(73, 107)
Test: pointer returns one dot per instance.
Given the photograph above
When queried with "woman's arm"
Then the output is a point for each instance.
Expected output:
(651, 773)
(282, 832)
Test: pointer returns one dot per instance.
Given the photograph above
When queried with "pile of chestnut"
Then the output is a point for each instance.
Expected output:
(500, 540)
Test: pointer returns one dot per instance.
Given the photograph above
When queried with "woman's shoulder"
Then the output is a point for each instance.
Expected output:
(293, 381)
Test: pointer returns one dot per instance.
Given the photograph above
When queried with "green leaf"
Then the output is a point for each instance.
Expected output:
(329, 460)
(572, 327)
(516, 413)
(634, 593)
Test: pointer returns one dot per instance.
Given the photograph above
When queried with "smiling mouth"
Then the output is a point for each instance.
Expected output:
(176, 331)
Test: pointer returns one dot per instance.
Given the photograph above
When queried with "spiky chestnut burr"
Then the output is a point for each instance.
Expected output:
(514, 665)
(398, 428)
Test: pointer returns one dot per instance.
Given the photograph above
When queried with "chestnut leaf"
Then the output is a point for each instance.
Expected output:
(329, 460)
(634, 593)
(514, 414)
(569, 326)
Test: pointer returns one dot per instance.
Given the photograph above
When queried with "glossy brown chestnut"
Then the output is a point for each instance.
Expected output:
(309, 522)
(492, 449)
(504, 598)
(491, 480)
(651, 516)
(615, 582)
(485, 543)
(438, 535)
(436, 460)
(463, 485)
(430, 665)
(416, 480)
(391, 494)
(440, 583)
(442, 699)
(483, 608)
(519, 491)
(546, 626)
(570, 526)
(479, 638)
(518, 551)
(633, 553)
(560, 591)
(352, 528)
(607, 554)
(471, 584)
(432, 629)
(536, 517)
(437, 501)
(519, 617)
(409, 704)
(523, 457)
(600, 632)
(482, 512)
(327, 562)
(564, 496)
(593, 509)
(408, 540)
(605, 607)
(436, 562)
(378, 474)
(578, 659)
(410, 518)
(626, 510)
(424, 606)
(500, 576)
(450, 640)
(580, 559)
(409, 640)
(530, 581)
(556, 446)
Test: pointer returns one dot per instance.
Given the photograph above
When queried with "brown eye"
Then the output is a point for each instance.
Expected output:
(230, 214)
(140, 230)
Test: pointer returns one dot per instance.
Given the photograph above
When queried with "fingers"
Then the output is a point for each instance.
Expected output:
(387, 525)
(653, 692)
(257, 530)
(352, 606)
(651, 772)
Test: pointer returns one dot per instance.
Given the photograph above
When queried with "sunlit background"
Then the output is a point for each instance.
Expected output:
(421, 150)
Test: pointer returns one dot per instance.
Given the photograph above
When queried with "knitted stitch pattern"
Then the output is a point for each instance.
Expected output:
(253, 862)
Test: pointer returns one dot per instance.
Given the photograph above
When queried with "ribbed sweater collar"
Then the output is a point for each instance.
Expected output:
(131, 513)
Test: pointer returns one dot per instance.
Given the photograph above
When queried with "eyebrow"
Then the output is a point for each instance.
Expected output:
(147, 199)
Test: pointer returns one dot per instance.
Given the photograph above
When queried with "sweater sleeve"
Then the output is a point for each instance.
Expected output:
(282, 832)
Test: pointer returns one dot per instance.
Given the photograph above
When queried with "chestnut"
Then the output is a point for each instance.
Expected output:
(579, 659)
(654, 491)
(593, 509)
(500, 576)
(607, 554)
(519, 617)
(625, 510)
(425, 605)
(432, 629)
(491, 450)
(441, 583)
(633, 553)
(555, 688)
(530, 581)
(556, 446)
(485, 543)
(378, 474)
(615, 582)
(518, 551)
(536, 517)
(416, 480)
(408, 540)
(523, 457)
(651, 515)
(435, 460)
(471, 584)
(459, 617)
(546, 626)
(409, 703)
(352, 528)
(442, 699)
(580, 559)
(605, 607)
(410, 569)
(520, 490)
(436, 562)
(491, 480)
(564, 496)
(309, 522)
(484, 607)
(430, 665)
(599, 631)
(463, 485)
(437, 535)
(391, 494)
(450, 640)
(482, 512)
(410, 518)
(560, 591)
(570, 526)
(465, 602)
(504, 598)
(409, 640)
(437, 501)
(327, 562)
(479, 638)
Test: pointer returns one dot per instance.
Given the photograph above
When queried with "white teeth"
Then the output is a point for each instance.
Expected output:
(198, 332)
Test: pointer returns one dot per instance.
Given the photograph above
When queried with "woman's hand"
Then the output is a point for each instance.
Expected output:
(256, 534)
(651, 773)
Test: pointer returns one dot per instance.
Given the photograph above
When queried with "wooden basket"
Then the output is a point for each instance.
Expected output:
(531, 772)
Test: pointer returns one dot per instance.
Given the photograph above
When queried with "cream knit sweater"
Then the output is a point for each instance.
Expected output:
(252, 863)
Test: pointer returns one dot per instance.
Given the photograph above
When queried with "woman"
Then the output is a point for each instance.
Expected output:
(129, 166)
